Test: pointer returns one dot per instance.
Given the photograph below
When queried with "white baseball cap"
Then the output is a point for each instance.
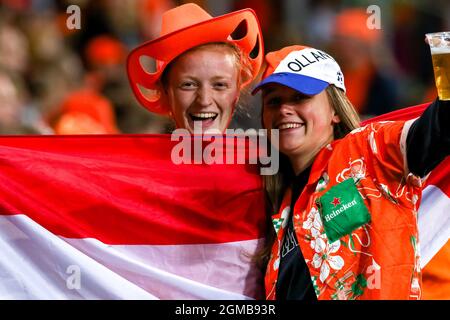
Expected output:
(303, 69)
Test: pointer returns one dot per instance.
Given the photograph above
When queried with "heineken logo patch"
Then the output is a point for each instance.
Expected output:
(343, 210)
(340, 209)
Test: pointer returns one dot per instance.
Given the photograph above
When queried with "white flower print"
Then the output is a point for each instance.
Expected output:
(314, 224)
(308, 223)
(315, 243)
(317, 227)
(324, 259)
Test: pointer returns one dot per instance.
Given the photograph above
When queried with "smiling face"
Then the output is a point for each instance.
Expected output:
(305, 123)
(203, 88)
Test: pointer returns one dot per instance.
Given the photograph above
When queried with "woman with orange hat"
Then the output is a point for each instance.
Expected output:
(201, 66)
(345, 198)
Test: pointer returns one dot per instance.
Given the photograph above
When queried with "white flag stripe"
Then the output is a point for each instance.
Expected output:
(34, 264)
(182, 271)
(434, 222)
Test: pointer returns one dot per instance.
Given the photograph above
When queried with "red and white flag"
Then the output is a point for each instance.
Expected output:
(112, 217)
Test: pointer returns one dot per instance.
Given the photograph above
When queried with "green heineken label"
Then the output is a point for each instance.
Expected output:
(343, 210)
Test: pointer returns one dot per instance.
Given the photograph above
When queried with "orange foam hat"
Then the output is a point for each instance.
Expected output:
(183, 28)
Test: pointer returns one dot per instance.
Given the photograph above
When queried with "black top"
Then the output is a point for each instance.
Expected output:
(294, 280)
(427, 144)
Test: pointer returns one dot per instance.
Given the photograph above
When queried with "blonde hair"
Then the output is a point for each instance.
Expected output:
(345, 110)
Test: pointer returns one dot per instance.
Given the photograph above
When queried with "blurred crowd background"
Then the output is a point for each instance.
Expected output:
(57, 80)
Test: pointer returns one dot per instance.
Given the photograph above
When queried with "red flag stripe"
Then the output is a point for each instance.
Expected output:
(122, 189)
(400, 114)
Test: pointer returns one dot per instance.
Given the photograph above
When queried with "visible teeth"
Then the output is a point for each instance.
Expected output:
(289, 125)
(204, 115)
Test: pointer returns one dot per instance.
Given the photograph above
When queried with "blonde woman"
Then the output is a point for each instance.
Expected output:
(345, 199)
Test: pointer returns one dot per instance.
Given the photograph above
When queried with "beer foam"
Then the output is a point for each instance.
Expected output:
(440, 50)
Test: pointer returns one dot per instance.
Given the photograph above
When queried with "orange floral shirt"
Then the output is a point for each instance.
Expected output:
(378, 259)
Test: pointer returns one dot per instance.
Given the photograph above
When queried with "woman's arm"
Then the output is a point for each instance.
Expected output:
(428, 139)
